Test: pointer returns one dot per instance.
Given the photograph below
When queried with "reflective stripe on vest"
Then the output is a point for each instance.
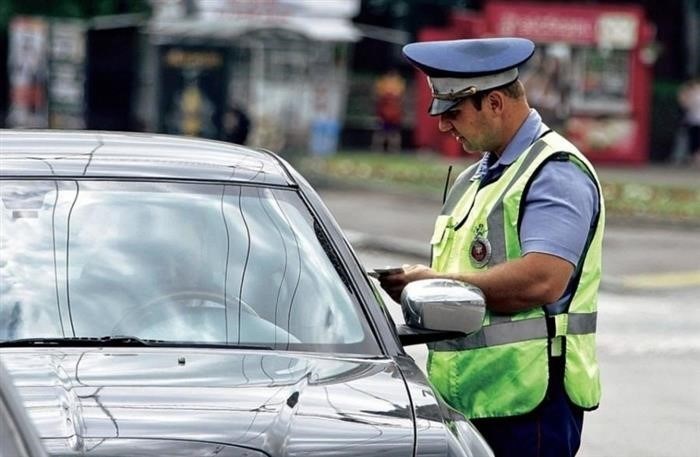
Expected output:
(507, 331)
(463, 181)
(495, 219)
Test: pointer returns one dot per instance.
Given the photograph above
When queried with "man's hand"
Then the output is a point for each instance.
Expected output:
(534, 280)
(395, 283)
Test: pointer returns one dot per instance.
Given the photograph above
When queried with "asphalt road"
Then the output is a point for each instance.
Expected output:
(648, 330)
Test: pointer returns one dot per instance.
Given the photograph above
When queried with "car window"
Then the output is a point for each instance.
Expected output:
(200, 263)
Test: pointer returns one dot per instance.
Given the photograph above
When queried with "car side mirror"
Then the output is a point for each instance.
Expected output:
(440, 309)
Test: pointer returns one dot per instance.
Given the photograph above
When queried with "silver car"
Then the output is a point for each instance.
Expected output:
(174, 296)
(18, 437)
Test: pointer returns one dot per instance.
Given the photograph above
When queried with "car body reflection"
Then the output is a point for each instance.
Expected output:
(172, 296)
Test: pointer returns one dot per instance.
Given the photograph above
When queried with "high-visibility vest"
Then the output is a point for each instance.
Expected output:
(503, 369)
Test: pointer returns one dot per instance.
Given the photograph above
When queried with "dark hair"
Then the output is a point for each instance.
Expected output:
(512, 89)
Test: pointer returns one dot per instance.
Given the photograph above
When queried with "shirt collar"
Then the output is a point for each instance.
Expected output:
(483, 167)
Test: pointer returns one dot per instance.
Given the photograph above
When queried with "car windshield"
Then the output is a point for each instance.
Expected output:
(174, 262)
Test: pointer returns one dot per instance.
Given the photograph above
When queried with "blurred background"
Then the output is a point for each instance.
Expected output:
(314, 77)
(323, 83)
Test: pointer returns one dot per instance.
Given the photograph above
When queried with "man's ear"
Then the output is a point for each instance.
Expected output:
(495, 101)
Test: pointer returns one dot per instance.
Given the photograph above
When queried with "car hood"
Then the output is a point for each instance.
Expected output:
(112, 401)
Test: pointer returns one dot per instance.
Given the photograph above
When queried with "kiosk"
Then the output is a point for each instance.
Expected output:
(284, 63)
(590, 77)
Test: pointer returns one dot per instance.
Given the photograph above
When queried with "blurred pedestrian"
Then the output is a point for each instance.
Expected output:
(325, 128)
(689, 100)
(525, 225)
(236, 124)
(388, 94)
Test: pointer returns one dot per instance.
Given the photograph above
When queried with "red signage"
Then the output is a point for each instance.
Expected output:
(574, 24)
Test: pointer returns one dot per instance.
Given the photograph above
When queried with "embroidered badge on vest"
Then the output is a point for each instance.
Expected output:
(480, 249)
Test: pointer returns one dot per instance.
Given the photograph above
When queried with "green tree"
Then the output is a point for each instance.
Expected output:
(69, 8)
(411, 15)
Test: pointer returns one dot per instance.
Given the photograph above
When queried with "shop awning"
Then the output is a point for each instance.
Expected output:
(315, 28)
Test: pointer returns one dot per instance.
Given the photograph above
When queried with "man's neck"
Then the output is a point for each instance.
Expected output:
(512, 121)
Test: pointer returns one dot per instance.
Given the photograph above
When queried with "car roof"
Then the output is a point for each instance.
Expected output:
(126, 155)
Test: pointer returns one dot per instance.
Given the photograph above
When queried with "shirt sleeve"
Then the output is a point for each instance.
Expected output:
(559, 209)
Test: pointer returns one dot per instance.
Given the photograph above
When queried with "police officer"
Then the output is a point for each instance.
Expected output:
(524, 224)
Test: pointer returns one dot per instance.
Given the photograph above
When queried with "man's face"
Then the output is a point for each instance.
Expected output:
(471, 127)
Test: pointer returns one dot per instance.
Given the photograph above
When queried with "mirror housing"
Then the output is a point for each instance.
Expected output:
(440, 309)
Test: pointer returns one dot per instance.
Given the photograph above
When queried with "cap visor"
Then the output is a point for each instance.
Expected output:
(438, 107)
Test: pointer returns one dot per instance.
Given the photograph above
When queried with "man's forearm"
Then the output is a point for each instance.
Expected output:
(521, 284)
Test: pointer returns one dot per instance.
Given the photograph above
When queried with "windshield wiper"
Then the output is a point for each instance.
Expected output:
(122, 340)
(117, 340)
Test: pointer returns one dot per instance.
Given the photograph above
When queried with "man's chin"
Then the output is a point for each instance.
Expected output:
(469, 151)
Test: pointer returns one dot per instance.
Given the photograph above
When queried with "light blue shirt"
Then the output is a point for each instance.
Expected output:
(560, 204)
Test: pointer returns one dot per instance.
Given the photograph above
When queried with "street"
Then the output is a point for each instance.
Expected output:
(648, 326)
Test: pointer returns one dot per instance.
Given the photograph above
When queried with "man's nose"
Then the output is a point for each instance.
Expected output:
(444, 125)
